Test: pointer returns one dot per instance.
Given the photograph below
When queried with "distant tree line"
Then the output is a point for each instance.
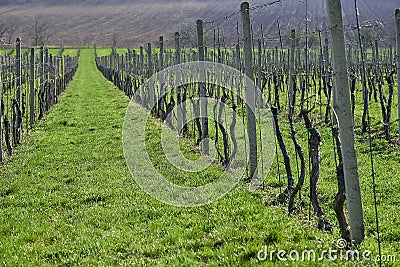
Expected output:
(38, 32)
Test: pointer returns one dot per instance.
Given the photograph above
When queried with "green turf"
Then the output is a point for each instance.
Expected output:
(67, 198)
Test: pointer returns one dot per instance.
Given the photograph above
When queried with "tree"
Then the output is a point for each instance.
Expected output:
(114, 40)
(368, 33)
(313, 39)
(300, 41)
(188, 36)
(12, 29)
(3, 30)
(40, 32)
(7, 30)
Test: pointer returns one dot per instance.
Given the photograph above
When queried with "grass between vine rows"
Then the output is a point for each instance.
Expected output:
(67, 197)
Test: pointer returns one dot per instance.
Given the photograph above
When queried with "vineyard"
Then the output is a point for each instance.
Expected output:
(32, 82)
(236, 151)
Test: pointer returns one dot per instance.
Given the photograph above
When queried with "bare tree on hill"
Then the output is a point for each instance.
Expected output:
(40, 32)
(7, 30)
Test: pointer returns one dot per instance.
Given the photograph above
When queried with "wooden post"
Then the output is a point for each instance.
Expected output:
(161, 95)
(63, 82)
(161, 53)
(149, 60)
(250, 97)
(259, 81)
(237, 56)
(18, 71)
(51, 81)
(128, 57)
(397, 14)
(46, 76)
(121, 73)
(59, 75)
(151, 93)
(56, 72)
(41, 83)
(292, 80)
(141, 74)
(346, 125)
(177, 48)
(32, 87)
(141, 61)
(327, 58)
(203, 92)
(180, 121)
(237, 61)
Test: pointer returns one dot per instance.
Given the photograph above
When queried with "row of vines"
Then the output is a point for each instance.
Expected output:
(31, 82)
(297, 90)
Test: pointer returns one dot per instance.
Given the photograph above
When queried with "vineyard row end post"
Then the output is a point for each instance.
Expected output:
(18, 71)
(203, 90)
(250, 95)
(345, 118)
(32, 88)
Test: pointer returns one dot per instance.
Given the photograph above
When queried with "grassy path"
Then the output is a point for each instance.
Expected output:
(67, 198)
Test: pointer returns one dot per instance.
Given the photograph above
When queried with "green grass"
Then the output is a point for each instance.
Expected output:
(67, 197)
(101, 51)
(67, 51)
(72, 52)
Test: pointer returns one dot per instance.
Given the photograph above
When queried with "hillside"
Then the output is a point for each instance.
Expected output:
(133, 23)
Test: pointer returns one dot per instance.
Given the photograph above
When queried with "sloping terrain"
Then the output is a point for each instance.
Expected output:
(133, 23)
